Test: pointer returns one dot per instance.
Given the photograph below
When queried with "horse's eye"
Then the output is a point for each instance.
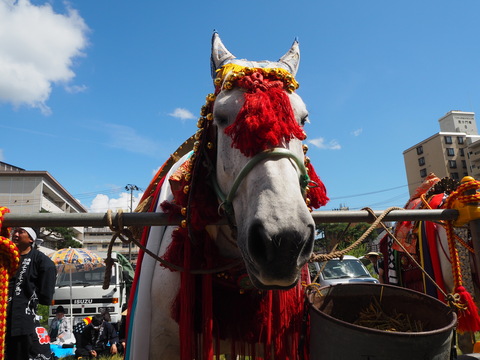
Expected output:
(304, 120)
(221, 121)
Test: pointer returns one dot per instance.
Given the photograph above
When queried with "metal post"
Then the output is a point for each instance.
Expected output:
(131, 188)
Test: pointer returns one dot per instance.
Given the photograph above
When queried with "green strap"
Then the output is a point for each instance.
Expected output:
(304, 179)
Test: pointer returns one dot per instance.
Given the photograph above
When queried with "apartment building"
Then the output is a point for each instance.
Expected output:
(452, 152)
(98, 239)
(30, 192)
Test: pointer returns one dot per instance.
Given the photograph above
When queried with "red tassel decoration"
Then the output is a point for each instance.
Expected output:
(468, 319)
(266, 119)
(207, 304)
(187, 299)
(317, 194)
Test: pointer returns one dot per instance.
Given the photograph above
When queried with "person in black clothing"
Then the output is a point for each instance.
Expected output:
(122, 331)
(33, 284)
(98, 338)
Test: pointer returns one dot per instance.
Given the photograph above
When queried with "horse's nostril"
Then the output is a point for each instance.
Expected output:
(257, 243)
(308, 247)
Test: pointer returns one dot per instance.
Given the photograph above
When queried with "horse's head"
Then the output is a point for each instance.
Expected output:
(260, 163)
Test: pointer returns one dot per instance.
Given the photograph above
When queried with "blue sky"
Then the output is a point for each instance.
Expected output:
(99, 93)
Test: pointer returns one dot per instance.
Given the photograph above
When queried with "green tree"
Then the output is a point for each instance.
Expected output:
(42, 311)
(341, 235)
(65, 236)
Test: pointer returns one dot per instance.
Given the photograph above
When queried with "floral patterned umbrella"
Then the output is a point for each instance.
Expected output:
(76, 259)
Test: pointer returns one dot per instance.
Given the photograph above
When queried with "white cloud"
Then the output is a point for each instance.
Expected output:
(357, 132)
(37, 51)
(126, 138)
(321, 144)
(182, 114)
(75, 89)
(101, 203)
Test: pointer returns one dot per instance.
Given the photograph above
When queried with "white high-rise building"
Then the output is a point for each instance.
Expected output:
(453, 152)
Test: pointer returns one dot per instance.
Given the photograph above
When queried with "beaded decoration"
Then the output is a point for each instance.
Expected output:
(9, 261)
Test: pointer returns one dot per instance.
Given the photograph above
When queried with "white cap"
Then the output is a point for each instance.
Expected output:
(30, 231)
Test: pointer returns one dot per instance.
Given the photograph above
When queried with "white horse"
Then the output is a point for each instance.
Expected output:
(265, 182)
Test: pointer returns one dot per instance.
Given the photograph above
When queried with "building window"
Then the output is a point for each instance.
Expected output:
(462, 152)
(454, 176)
(464, 164)
(460, 139)
(423, 173)
(104, 246)
(91, 247)
(448, 139)
(419, 150)
(452, 164)
(450, 151)
(421, 161)
(124, 245)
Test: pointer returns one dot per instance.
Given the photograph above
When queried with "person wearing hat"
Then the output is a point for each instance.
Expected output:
(98, 338)
(377, 263)
(33, 284)
(60, 328)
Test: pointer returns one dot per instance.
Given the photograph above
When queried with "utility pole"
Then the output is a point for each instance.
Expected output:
(131, 188)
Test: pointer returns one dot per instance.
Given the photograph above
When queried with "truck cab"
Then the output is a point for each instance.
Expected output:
(81, 293)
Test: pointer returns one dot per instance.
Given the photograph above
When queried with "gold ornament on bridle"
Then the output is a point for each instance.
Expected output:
(229, 74)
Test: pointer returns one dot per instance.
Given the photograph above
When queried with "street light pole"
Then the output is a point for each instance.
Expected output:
(131, 187)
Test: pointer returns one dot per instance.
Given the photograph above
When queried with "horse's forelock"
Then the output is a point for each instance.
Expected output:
(266, 119)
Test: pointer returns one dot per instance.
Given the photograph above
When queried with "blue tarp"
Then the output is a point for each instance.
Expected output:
(62, 352)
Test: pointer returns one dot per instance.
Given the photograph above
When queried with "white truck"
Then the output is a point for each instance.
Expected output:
(82, 294)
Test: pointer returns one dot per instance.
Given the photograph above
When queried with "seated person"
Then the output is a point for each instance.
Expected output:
(98, 338)
(60, 331)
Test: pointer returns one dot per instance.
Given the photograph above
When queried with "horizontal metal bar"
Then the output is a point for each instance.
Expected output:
(394, 215)
(146, 219)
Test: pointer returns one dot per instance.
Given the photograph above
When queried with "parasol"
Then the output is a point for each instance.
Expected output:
(75, 259)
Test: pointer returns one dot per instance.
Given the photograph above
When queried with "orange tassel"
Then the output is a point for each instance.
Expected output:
(468, 318)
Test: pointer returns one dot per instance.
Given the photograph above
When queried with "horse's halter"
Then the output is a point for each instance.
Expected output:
(228, 76)
(227, 201)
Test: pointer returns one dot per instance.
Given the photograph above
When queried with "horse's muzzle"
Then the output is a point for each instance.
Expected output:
(274, 260)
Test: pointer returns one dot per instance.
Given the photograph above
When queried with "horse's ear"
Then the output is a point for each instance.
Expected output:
(292, 58)
(220, 54)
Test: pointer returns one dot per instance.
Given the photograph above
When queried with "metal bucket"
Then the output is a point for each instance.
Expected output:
(334, 336)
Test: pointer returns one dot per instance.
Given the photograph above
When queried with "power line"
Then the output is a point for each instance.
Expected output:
(368, 193)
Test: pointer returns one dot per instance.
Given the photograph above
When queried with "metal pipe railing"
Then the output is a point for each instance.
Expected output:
(152, 219)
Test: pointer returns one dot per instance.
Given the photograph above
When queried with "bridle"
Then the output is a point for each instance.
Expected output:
(228, 76)
(226, 201)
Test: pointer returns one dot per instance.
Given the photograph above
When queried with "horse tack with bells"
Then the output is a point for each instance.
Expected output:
(247, 160)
